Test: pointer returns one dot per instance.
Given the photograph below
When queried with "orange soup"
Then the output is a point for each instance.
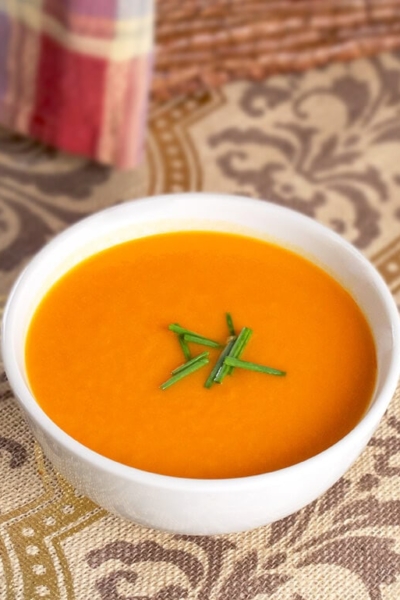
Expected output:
(99, 347)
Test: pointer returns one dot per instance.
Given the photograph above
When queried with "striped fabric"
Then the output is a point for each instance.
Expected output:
(75, 74)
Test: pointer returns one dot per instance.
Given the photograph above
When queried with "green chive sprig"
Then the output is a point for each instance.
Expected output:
(190, 362)
(251, 366)
(191, 336)
(236, 351)
(184, 372)
(202, 341)
(219, 364)
(185, 348)
(230, 325)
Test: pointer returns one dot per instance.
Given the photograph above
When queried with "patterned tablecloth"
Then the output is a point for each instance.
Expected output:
(325, 143)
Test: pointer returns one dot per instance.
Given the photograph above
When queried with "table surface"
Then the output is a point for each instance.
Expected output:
(325, 142)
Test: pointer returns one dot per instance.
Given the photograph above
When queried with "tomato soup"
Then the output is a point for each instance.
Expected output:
(98, 348)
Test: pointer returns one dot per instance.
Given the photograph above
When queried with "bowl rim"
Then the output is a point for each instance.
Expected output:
(28, 403)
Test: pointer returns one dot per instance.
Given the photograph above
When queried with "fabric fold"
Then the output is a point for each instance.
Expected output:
(75, 74)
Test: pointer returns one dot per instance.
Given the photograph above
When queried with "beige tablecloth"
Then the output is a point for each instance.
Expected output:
(326, 143)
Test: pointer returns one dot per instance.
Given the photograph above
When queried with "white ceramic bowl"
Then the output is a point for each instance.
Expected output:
(189, 505)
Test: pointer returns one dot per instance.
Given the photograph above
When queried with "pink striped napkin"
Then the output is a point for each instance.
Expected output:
(75, 74)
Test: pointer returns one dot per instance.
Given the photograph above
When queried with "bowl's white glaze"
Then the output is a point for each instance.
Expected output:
(189, 505)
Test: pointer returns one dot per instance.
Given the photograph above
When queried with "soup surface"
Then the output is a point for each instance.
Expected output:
(99, 347)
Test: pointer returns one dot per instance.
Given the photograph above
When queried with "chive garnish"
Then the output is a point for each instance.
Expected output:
(250, 366)
(185, 347)
(192, 336)
(218, 365)
(240, 343)
(184, 373)
(197, 339)
(228, 359)
(190, 362)
(230, 325)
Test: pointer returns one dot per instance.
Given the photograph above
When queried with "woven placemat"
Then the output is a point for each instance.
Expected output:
(324, 142)
(205, 44)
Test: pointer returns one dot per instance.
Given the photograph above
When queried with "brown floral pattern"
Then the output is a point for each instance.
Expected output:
(42, 191)
(325, 143)
(310, 158)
